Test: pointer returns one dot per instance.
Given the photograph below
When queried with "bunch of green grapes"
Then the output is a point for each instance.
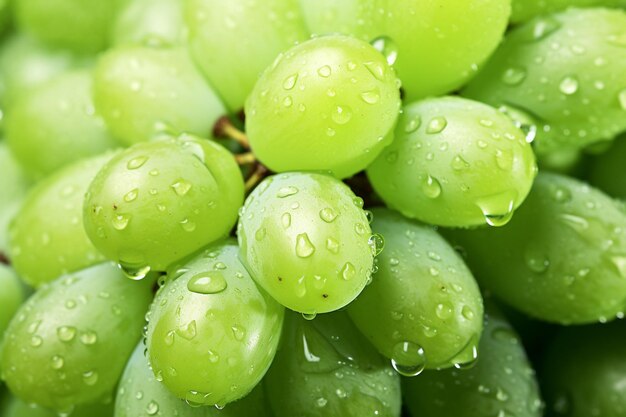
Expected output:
(312, 208)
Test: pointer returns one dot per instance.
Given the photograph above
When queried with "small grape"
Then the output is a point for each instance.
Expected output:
(455, 162)
(159, 201)
(211, 319)
(306, 240)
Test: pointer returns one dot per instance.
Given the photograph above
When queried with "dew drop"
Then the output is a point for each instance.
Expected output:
(57, 362)
(131, 195)
(376, 243)
(187, 332)
(120, 221)
(36, 341)
(459, 164)
(413, 124)
(387, 47)
(569, 85)
(285, 219)
(376, 69)
(498, 208)
(136, 162)
(209, 282)
(309, 316)
(152, 408)
(90, 378)
(536, 261)
(238, 333)
(371, 96)
(348, 271)
(135, 273)
(88, 338)
(431, 187)
(328, 214)
(66, 333)
(286, 192)
(290, 82)
(332, 245)
(324, 71)
(304, 247)
(408, 359)
(342, 115)
(181, 187)
(513, 75)
(436, 125)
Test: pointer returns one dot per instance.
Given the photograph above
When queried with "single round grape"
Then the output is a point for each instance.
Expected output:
(68, 344)
(306, 240)
(502, 383)
(14, 185)
(209, 319)
(328, 104)
(142, 91)
(80, 25)
(583, 371)
(563, 255)
(564, 72)
(139, 393)
(11, 296)
(455, 162)
(523, 10)
(159, 201)
(607, 171)
(152, 22)
(423, 308)
(325, 367)
(47, 236)
(433, 45)
(234, 41)
(15, 407)
(56, 124)
(26, 64)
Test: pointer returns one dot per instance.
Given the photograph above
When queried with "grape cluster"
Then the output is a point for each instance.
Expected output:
(312, 208)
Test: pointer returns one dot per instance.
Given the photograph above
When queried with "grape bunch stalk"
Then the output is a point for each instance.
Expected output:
(312, 208)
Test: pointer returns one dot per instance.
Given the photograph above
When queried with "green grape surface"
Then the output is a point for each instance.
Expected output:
(68, 344)
(306, 240)
(47, 237)
(327, 104)
(152, 22)
(502, 383)
(455, 162)
(423, 308)
(139, 393)
(56, 124)
(142, 91)
(11, 296)
(607, 171)
(234, 41)
(326, 367)
(18, 408)
(561, 259)
(25, 64)
(209, 319)
(564, 72)
(583, 372)
(80, 25)
(524, 10)
(159, 201)
(14, 185)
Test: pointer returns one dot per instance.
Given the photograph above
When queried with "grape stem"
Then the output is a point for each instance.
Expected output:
(4, 259)
(224, 128)
(245, 158)
(260, 171)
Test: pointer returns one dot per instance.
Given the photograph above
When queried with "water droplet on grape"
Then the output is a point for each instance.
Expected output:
(408, 359)
(290, 82)
(436, 125)
(181, 187)
(569, 85)
(348, 271)
(304, 247)
(342, 115)
(371, 97)
(286, 192)
(136, 162)
(431, 187)
(387, 47)
(513, 75)
(324, 71)
(209, 282)
(66, 333)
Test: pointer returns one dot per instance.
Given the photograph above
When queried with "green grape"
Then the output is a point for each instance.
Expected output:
(306, 240)
(139, 393)
(325, 367)
(142, 91)
(159, 201)
(234, 41)
(153, 22)
(47, 237)
(561, 259)
(14, 185)
(455, 162)
(502, 383)
(523, 10)
(328, 104)
(26, 64)
(433, 45)
(17, 408)
(56, 124)
(69, 343)
(80, 25)
(583, 372)
(564, 72)
(607, 172)
(11, 296)
(423, 308)
(211, 319)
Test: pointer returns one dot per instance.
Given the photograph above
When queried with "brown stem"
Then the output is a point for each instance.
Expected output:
(246, 158)
(4, 259)
(257, 176)
(224, 128)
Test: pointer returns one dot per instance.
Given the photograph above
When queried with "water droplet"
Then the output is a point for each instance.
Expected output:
(562, 195)
(286, 192)
(376, 243)
(120, 221)
(324, 71)
(342, 115)
(413, 124)
(57, 362)
(90, 378)
(444, 311)
(436, 125)
(131, 195)
(376, 69)
(287, 101)
(181, 187)
(328, 214)
(290, 82)
(408, 359)
(321, 402)
(66, 333)
(187, 225)
(187, 332)
(136, 162)
(332, 245)
(498, 208)
(536, 261)
(387, 47)
(431, 187)
(309, 316)
(213, 357)
(468, 356)
(569, 85)
(285, 219)
(348, 271)
(304, 247)
(88, 338)
(371, 97)
(238, 333)
(504, 159)
(169, 338)
(359, 228)
(136, 273)
(152, 408)
(36, 341)
(260, 234)
(467, 312)
(544, 27)
(459, 164)
(209, 282)
(513, 75)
